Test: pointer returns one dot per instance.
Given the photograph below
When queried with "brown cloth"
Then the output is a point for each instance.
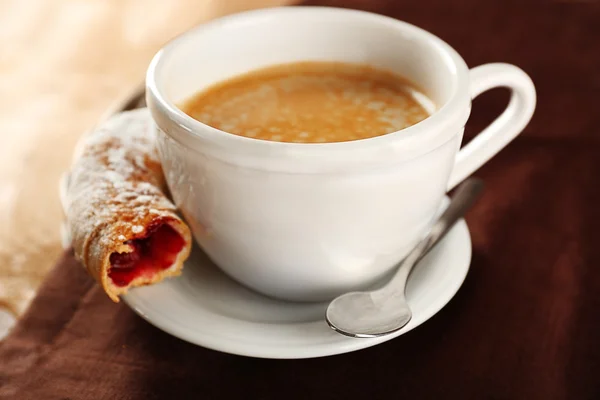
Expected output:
(525, 324)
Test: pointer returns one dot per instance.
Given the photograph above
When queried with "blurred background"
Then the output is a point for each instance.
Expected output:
(63, 64)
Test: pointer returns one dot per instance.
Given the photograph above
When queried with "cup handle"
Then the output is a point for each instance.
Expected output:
(506, 126)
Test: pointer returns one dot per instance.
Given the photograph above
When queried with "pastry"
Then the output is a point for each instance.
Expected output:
(124, 229)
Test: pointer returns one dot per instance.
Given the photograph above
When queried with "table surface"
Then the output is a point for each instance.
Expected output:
(525, 324)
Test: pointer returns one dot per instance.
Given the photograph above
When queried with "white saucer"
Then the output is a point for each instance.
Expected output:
(205, 307)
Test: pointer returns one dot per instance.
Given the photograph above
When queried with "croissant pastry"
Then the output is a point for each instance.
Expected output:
(124, 229)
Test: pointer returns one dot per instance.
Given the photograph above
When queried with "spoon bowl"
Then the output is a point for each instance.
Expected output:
(372, 317)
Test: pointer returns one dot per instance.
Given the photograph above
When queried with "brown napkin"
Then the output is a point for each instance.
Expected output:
(525, 324)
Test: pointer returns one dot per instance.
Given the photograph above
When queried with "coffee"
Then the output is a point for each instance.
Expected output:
(310, 102)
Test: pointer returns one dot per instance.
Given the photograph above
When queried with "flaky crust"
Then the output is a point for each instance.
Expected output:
(115, 193)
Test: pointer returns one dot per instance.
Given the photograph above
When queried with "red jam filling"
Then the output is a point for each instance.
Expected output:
(155, 252)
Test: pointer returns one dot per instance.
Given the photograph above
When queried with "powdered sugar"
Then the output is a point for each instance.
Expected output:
(118, 171)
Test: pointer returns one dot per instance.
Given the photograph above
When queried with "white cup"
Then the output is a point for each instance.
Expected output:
(311, 221)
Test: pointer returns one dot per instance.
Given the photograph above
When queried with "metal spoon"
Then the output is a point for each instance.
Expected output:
(385, 310)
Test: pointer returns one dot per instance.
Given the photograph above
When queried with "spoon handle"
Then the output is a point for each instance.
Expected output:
(463, 199)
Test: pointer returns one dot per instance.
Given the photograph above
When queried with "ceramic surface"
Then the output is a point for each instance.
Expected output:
(312, 221)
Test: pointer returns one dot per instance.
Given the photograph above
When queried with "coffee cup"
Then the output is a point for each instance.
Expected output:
(309, 221)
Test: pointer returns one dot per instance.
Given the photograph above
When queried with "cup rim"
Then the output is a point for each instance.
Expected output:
(424, 132)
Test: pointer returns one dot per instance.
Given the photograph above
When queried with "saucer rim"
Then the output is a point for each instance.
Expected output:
(230, 345)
